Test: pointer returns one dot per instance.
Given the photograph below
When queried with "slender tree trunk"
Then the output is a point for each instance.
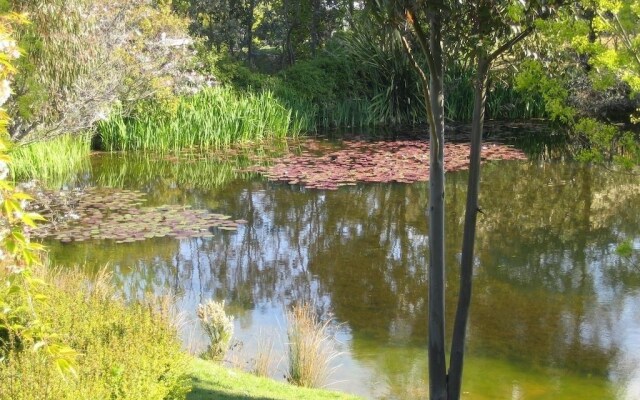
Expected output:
(469, 234)
(315, 17)
(250, 17)
(351, 8)
(437, 358)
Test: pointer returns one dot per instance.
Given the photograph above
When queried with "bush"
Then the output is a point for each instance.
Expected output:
(82, 57)
(218, 327)
(128, 351)
(230, 72)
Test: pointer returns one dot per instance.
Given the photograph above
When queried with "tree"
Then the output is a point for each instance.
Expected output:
(603, 37)
(82, 57)
(484, 30)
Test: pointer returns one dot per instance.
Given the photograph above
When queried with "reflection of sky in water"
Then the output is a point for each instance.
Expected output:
(554, 309)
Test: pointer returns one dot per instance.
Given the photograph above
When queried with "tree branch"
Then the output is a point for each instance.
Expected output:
(422, 39)
(423, 79)
(509, 44)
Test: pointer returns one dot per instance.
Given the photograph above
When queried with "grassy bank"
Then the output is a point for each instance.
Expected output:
(125, 349)
(212, 381)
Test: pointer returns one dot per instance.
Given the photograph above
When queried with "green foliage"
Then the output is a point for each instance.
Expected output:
(21, 327)
(82, 56)
(229, 71)
(213, 118)
(594, 42)
(625, 249)
(311, 81)
(534, 80)
(129, 350)
(218, 327)
(606, 143)
(54, 162)
(395, 95)
(222, 22)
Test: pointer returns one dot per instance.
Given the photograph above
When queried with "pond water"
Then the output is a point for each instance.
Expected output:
(554, 310)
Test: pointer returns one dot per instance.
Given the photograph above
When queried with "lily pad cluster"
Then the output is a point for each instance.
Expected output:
(404, 161)
(100, 213)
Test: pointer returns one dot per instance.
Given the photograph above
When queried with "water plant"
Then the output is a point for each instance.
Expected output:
(310, 350)
(218, 327)
(388, 161)
(53, 163)
(92, 213)
(213, 118)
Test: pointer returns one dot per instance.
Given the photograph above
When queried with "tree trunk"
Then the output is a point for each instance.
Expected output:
(469, 234)
(252, 6)
(437, 358)
(315, 36)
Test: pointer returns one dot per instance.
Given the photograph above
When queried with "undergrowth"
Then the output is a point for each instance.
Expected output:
(127, 350)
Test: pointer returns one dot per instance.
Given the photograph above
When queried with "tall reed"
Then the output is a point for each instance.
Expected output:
(54, 162)
(214, 118)
(264, 356)
(310, 348)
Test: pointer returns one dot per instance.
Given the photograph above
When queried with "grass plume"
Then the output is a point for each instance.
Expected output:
(310, 348)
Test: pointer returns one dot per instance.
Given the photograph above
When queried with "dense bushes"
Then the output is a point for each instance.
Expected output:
(127, 351)
(81, 57)
(363, 78)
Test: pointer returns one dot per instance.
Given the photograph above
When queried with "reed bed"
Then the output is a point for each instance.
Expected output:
(214, 118)
(53, 162)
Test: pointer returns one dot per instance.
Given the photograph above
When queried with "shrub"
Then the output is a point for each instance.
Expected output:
(81, 57)
(129, 351)
(218, 327)
(231, 72)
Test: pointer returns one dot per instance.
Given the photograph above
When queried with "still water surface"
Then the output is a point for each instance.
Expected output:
(554, 311)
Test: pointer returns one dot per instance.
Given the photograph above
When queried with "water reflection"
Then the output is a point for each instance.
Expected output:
(553, 308)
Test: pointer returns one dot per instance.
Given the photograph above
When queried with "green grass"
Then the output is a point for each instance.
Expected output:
(214, 118)
(212, 381)
(53, 162)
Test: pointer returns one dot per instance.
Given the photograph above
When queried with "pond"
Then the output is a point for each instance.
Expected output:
(554, 310)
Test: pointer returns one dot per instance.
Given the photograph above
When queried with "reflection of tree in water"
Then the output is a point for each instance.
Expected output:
(546, 257)
(536, 298)
(548, 288)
